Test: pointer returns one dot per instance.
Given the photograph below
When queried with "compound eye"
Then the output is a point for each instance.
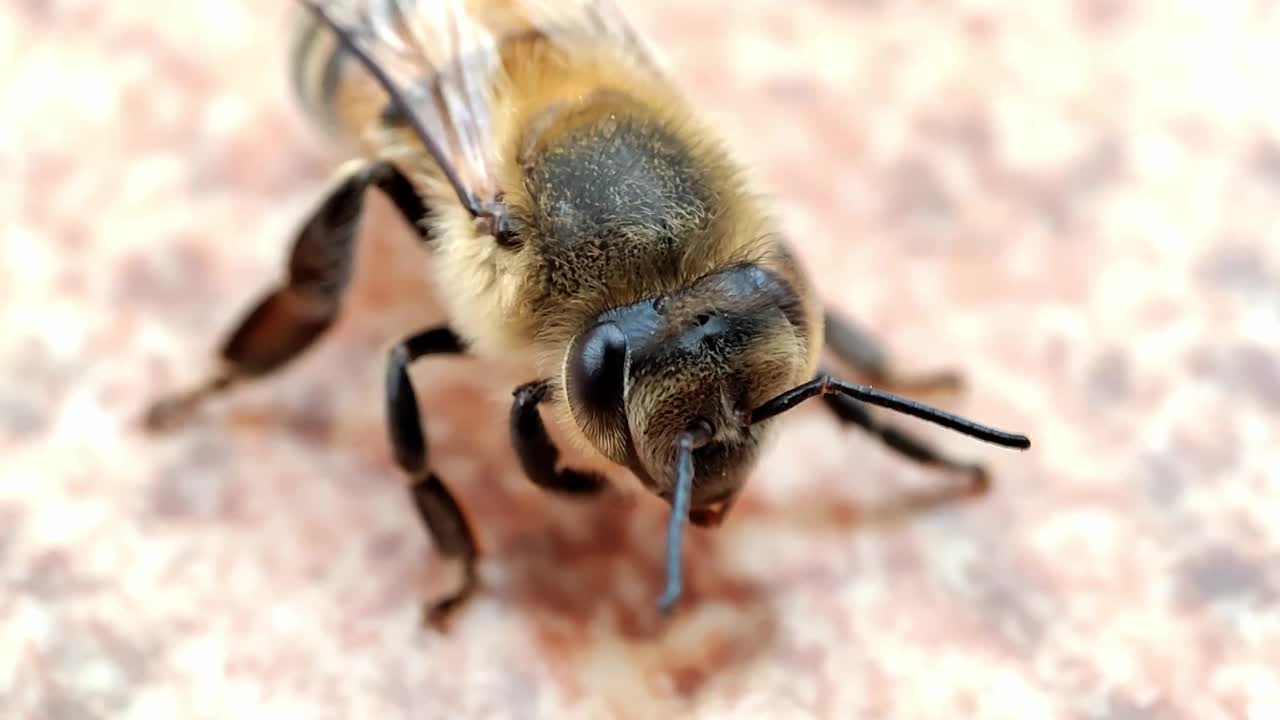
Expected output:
(597, 369)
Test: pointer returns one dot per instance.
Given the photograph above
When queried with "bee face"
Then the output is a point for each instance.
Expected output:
(659, 415)
(642, 374)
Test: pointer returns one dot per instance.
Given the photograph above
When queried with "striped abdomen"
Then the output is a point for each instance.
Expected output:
(317, 64)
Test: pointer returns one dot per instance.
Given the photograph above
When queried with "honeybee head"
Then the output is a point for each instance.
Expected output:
(679, 389)
(686, 369)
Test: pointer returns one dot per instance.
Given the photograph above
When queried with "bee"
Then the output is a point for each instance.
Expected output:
(579, 219)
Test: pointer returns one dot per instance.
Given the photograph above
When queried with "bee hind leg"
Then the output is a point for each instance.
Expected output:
(538, 454)
(857, 348)
(291, 317)
(440, 512)
(975, 480)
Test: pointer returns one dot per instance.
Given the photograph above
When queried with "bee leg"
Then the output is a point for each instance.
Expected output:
(863, 353)
(976, 481)
(292, 316)
(402, 194)
(437, 507)
(538, 454)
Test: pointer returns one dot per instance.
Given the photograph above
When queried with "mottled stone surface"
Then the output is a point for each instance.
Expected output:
(1074, 203)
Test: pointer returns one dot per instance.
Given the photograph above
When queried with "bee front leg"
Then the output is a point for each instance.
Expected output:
(538, 454)
(863, 353)
(437, 507)
(291, 317)
(976, 481)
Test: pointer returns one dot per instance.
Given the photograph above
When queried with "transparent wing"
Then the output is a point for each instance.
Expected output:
(437, 58)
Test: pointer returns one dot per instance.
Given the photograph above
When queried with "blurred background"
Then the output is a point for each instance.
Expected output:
(1074, 203)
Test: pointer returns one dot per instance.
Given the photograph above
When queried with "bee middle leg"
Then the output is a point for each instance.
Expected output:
(289, 318)
(440, 512)
(975, 481)
(854, 346)
(537, 452)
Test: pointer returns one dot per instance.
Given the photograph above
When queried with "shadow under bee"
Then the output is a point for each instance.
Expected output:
(585, 581)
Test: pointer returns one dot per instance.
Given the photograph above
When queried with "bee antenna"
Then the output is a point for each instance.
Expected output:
(348, 38)
(826, 385)
(698, 434)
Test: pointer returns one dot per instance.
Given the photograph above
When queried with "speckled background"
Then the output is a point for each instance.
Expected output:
(1074, 203)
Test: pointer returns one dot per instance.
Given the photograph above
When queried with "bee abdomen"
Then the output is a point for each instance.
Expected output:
(316, 63)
